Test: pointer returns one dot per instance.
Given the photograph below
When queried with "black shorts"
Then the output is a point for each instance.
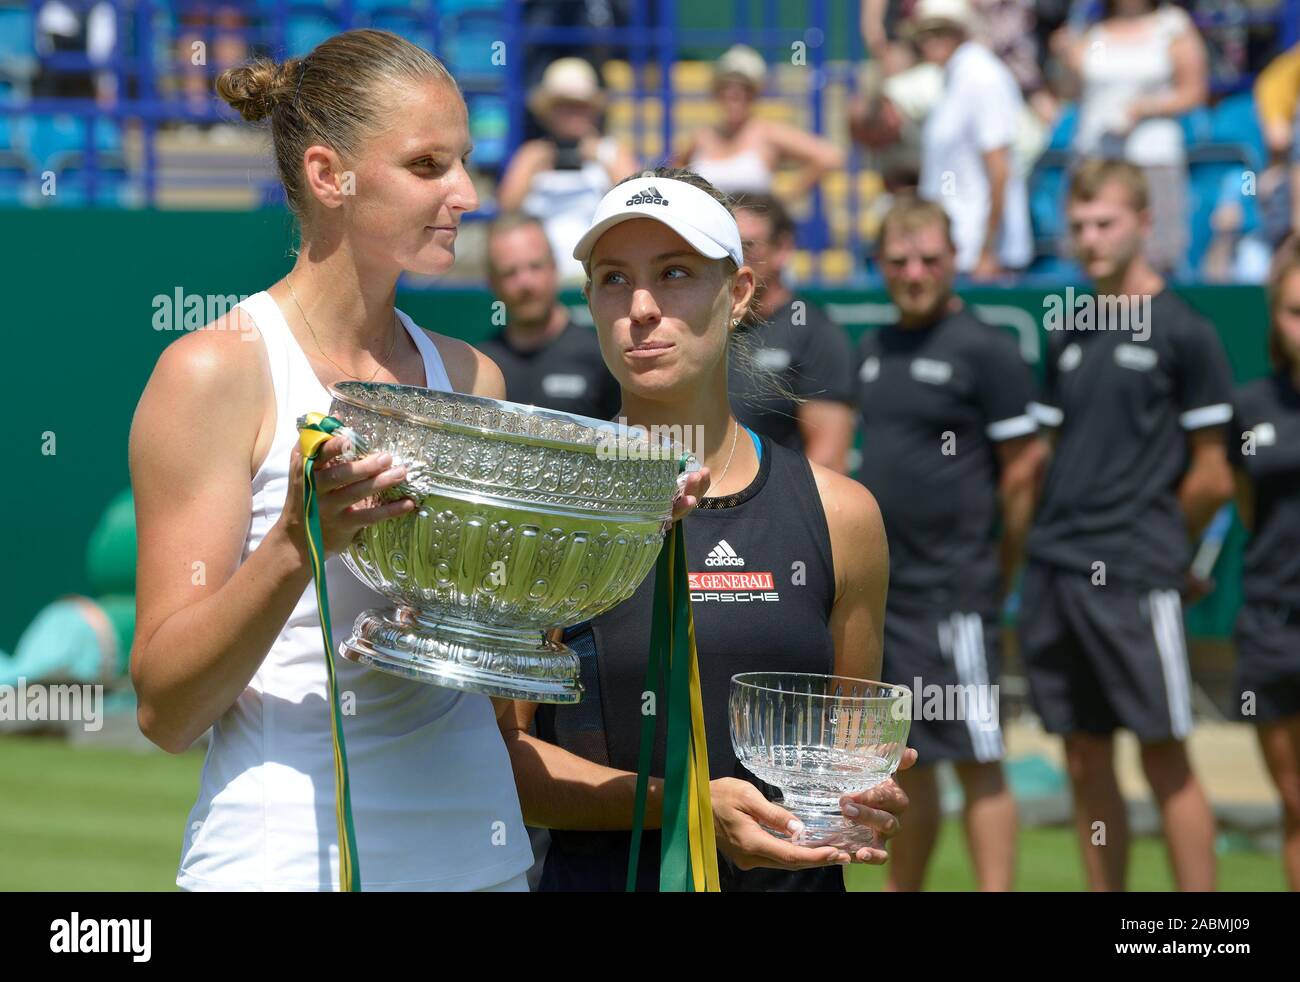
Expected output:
(1103, 657)
(1268, 662)
(950, 660)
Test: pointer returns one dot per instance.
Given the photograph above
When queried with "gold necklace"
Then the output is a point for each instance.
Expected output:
(373, 376)
(727, 466)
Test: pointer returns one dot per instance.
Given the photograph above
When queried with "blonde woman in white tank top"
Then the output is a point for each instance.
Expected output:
(227, 634)
(741, 152)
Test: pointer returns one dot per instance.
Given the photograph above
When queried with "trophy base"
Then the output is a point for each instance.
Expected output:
(493, 661)
(825, 824)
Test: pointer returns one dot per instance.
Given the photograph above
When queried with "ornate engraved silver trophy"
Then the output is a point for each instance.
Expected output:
(527, 520)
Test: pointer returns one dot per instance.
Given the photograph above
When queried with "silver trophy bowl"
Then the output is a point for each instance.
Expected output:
(527, 520)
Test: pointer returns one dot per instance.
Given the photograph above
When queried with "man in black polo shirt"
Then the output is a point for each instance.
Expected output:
(546, 359)
(798, 391)
(950, 451)
(1137, 390)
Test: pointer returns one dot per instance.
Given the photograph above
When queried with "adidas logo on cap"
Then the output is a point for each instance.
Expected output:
(650, 196)
(723, 555)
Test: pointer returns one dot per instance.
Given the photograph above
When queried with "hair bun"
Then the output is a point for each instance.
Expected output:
(254, 89)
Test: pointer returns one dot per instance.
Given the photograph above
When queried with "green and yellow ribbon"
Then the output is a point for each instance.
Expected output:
(688, 859)
(314, 431)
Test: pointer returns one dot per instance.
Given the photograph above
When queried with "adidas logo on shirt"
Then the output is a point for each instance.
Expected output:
(650, 196)
(723, 555)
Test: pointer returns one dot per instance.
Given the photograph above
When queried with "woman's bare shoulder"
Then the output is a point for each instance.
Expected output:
(214, 376)
(853, 519)
(847, 497)
(224, 356)
(469, 369)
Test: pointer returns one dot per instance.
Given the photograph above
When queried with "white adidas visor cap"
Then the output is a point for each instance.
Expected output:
(695, 215)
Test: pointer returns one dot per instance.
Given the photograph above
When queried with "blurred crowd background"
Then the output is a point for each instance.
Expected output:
(816, 116)
(821, 103)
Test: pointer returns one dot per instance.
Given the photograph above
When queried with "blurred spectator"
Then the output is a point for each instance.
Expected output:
(741, 152)
(76, 27)
(1277, 103)
(545, 15)
(1242, 240)
(210, 38)
(1140, 67)
(1277, 91)
(1007, 28)
(86, 639)
(968, 158)
(547, 360)
(886, 120)
(879, 21)
(561, 177)
(1236, 50)
(809, 409)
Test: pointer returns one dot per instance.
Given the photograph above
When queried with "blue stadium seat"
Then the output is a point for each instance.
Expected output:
(16, 34)
(462, 6)
(415, 7)
(470, 52)
(50, 135)
(489, 121)
(113, 186)
(305, 31)
(1234, 121)
(1212, 170)
(1198, 126)
(15, 177)
(1063, 132)
(410, 24)
(1047, 198)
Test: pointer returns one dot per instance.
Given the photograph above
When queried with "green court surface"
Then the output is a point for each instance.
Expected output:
(74, 818)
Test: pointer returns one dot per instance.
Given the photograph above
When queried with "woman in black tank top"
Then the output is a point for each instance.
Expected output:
(1264, 445)
(787, 565)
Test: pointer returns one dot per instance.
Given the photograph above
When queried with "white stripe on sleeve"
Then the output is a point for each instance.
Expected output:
(1009, 429)
(1195, 419)
(1047, 415)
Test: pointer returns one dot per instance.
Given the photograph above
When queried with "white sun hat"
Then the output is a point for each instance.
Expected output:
(743, 62)
(695, 215)
(566, 78)
(932, 14)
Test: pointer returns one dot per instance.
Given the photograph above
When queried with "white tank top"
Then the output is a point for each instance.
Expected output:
(565, 200)
(1118, 71)
(744, 172)
(433, 794)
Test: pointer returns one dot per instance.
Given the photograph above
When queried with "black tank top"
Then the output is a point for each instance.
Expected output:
(762, 588)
